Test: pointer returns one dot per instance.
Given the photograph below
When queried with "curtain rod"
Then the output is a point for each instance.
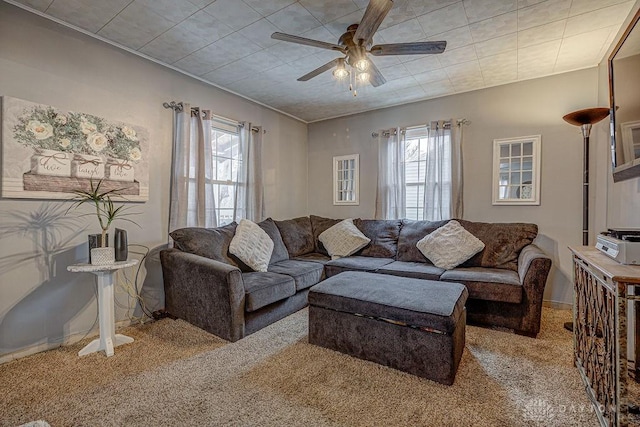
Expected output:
(179, 106)
(459, 122)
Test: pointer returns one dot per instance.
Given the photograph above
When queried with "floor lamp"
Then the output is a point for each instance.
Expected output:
(585, 119)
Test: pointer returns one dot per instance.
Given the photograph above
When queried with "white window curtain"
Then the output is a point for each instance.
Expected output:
(443, 177)
(390, 194)
(192, 203)
(250, 188)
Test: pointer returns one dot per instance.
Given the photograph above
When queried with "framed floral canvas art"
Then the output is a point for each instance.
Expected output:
(47, 153)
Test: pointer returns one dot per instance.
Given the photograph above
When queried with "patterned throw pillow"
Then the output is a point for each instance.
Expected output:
(449, 245)
(252, 245)
(343, 239)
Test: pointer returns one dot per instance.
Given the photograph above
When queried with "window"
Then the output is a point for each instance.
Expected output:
(427, 171)
(345, 179)
(227, 159)
(516, 171)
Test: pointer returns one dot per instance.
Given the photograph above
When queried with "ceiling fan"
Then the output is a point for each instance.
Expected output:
(356, 43)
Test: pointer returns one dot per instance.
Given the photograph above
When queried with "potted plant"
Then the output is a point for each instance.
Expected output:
(106, 212)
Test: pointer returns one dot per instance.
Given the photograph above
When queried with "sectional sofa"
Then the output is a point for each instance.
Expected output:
(210, 288)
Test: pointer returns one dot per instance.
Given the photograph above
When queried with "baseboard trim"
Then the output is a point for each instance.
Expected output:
(57, 342)
(558, 305)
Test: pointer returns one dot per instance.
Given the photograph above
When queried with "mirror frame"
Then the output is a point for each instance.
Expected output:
(630, 169)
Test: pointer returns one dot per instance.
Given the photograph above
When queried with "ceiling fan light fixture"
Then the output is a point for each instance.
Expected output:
(362, 64)
(340, 72)
(363, 77)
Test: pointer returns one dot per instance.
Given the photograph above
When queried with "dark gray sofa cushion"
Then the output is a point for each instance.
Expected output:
(262, 289)
(354, 263)
(304, 273)
(490, 284)
(503, 243)
(416, 270)
(314, 257)
(422, 303)
(211, 243)
(297, 235)
(383, 234)
(319, 225)
(279, 249)
(410, 233)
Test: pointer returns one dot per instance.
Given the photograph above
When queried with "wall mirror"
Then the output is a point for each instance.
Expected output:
(624, 91)
(345, 180)
(516, 171)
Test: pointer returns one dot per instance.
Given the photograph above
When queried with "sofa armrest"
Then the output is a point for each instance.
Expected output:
(206, 293)
(533, 268)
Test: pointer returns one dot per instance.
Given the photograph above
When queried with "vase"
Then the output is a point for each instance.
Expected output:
(120, 245)
(51, 163)
(87, 166)
(119, 170)
(102, 256)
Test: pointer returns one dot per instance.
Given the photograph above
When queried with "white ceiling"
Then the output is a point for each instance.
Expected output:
(227, 42)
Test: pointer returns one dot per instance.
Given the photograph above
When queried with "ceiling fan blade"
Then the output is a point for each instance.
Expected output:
(376, 79)
(319, 70)
(309, 42)
(416, 48)
(374, 15)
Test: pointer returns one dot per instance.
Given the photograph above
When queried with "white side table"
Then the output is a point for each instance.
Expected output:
(106, 277)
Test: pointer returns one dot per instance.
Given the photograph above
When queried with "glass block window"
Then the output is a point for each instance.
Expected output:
(345, 179)
(516, 171)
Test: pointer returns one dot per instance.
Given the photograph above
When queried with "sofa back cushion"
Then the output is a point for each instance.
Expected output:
(297, 235)
(211, 243)
(410, 233)
(279, 249)
(320, 225)
(384, 235)
(503, 243)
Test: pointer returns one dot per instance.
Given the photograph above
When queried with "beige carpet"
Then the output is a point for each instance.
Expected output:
(177, 375)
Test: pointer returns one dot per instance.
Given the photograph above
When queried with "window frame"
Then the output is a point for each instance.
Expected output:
(498, 182)
(337, 162)
(234, 132)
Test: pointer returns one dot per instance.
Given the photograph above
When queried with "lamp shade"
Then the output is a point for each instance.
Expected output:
(587, 116)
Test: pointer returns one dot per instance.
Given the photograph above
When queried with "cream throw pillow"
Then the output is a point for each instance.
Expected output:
(252, 245)
(343, 239)
(449, 245)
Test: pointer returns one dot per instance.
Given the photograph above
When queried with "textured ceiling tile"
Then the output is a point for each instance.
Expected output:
(543, 13)
(339, 26)
(170, 9)
(583, 6)
(87, 14)
(468, 85)
(400, 12)
(289, 52)
(40, 5)
(457, 56)
(582, 50)
(541, 53)
(494, 27)
(498, 45)
(541, 34)
(455, 38)
(439, 88)
(234, 13)
(408, 31)
(260, 33)
(445, 19)
(229, 73)
(173, 45)
(205, 27)
(401, 83)
(478, 10)
(385, 61)
(420, 7)
(218, 54)
(197, 63)
(431, 76)
(283, 73)
(600, 18)
(467, 71)
(500, 68)
(411, 94)
(393, 72)
(421, 65)
(294, 19)
(135, 26)
(325, 11)
(267, 7)
(526, 3)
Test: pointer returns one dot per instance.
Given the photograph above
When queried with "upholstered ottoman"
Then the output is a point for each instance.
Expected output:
(414, 325)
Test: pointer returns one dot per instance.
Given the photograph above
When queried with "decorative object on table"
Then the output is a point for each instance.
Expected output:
(106, 212)
(585, 119)
(120, 244)
(49, 153)
(95, 241)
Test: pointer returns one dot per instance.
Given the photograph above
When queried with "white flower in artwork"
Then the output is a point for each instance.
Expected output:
(64, 142)
(135, 154)
(40, 130)
(130, 133)
(87, 127)
(97, 141)
(62, 119)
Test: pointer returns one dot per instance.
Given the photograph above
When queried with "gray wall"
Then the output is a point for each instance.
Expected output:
(40, 61)
(519, 109)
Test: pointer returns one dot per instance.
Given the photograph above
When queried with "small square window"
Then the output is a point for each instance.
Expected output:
(516, 171)
(345, 180)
